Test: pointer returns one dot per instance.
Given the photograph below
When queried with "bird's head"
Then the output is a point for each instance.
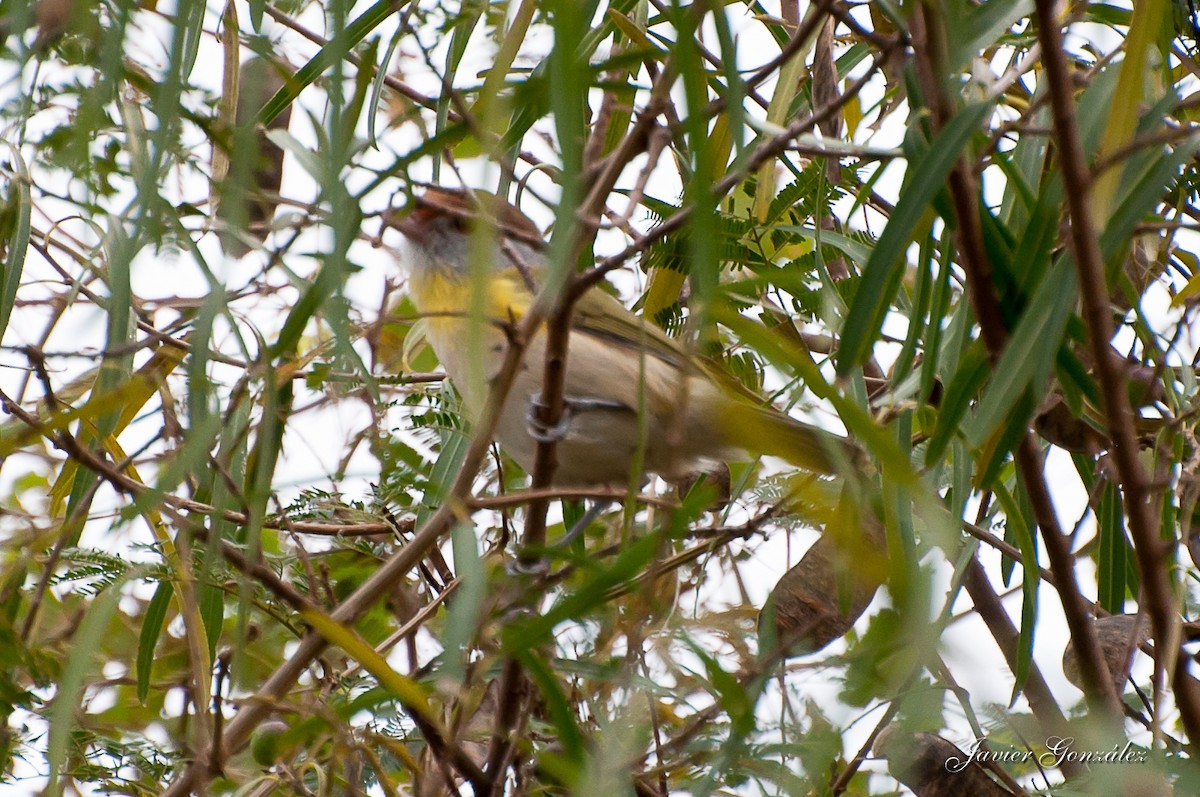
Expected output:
(443, 223)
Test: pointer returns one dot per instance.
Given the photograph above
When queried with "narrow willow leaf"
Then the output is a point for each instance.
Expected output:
(560, 710)
(336, 49)
(976, 27)
(1112, 554)
(778, 110)
(956, 399)
(20, 201)
(735, 89)
(1138, 197)
(1121, 123)
(86, 643)
(1026, 361)
(1021, 167)
(152, 625)
(934, 354)
(728, 690)
(381, 73)
(454, 448)
(497, 74)
(1004, 439)
(922, 292)
(257, 9)
(462, 619)
(1031, 257)
(412, 695)
(464, 25)
(1019, 531)
(901, 511)
(192, 31)
(885, 267)
(211, 598)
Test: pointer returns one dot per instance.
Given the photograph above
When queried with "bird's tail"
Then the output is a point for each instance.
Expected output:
(765, 430)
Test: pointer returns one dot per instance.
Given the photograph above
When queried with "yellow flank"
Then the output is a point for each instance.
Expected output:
(445, 300)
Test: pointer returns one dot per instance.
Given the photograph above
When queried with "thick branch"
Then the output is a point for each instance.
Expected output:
(928, 43)
(1152, 552)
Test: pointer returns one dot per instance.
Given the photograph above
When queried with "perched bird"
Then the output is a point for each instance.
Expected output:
(628, 386)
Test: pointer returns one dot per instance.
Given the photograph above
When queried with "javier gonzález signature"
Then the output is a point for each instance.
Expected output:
(1058, 749)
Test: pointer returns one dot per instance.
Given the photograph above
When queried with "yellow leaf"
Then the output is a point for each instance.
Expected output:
(786, 89)
(1187, 293)
(631, 29)
(662, 292)
(1144, 26)
(410, 693)
(853, 114)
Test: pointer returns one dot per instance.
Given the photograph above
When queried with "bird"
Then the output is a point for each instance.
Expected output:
(635, 400)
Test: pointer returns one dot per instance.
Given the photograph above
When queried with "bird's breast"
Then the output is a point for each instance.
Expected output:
(446, 299)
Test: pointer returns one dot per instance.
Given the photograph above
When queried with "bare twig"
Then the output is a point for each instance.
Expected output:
(929, 43)
(1152, 552)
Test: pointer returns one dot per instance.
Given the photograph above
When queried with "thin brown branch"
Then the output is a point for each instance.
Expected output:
(842, 781)
(209, 761)
(1153, 554)
(1037, 691)
(602, 175)
(383, 580)
(524, 497)
(550, 406)
(929, 45)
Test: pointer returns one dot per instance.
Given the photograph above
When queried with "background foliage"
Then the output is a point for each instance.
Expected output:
(248, 543)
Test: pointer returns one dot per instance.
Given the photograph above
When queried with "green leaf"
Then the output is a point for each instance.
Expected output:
(381, 73)
(956, 399)
(454, 448)
(729, 691)
(85, 647)
(1026, 361)
(1113, 553)
(977, 26)
(462, 618)
(585, 598)
(333, 51)
(1003, 441)
(212, 611)
(152, 625)
(885, 267)
(561, 711)
(855, 250)
(1019, 529)
(257, 9)
(1142, 192)
(21, 204)
(411, 694)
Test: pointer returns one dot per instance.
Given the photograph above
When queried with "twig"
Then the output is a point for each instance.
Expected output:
(928, 40)
(1151, 551)
(383, 580)
(1037, 691)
